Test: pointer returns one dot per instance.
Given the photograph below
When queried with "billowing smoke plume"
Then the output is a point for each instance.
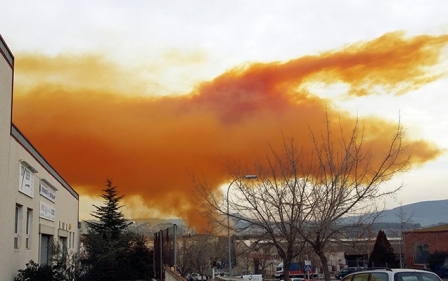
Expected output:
(83, 115)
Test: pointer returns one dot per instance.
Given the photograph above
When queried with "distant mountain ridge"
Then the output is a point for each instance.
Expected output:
(425, 213)
(416, 215)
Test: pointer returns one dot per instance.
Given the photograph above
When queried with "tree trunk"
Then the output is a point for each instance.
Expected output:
(285, 271)
(324, 262)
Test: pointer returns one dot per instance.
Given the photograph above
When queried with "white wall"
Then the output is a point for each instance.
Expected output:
(63, 217)
(6, 213)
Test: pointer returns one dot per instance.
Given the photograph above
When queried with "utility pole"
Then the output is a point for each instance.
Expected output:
(175, 247)
(401, 244)
(161, 248)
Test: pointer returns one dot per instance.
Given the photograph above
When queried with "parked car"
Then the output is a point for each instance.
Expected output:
(441, 270)
(196, 277)
(346, 271)
(295, 279)
(252, 277)
(395, 274)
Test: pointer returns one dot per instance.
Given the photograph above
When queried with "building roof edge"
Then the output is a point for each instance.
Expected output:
(15, 132)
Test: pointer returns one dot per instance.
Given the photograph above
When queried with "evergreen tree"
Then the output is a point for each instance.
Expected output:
(438, 262)
(112, 252)
(383, 253)
(438, 258)
(111, 220)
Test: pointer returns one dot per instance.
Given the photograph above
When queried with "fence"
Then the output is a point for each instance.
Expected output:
(164, 251)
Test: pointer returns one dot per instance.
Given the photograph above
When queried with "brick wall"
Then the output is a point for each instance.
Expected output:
(434, 240)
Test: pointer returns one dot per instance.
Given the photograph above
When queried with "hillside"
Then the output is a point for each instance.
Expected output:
(416, 215)
(425, 213)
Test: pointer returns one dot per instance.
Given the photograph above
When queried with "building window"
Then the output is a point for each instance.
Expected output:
(29, 228)
(421, 253)
(26, 179)
(17, 226)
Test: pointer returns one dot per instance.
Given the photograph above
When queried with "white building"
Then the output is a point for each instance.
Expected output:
(37, 207)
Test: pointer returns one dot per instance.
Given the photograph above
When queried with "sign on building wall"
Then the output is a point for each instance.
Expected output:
(26, 180)
(46, 211)
(47, 191)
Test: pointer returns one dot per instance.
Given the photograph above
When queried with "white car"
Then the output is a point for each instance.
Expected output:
(392, 274)
(252, 277)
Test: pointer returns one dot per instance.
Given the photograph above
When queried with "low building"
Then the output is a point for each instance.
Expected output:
(420, 244)
(39, 210)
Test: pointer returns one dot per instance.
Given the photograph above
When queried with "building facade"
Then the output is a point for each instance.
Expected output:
(420, 244)
(39, 210)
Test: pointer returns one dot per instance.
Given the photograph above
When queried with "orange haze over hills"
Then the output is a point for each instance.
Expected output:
(90, 120)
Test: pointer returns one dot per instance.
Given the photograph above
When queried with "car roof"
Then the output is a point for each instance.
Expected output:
(396, 270)
(351, 267)
(392, 270)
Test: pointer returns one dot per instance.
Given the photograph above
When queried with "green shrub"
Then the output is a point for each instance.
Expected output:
(36, 272)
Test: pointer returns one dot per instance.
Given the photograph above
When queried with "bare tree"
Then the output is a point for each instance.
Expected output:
(344, 188)
(269, 209)
(183, 255)
(404, 219)
(243, 258)
(264, 253)
(197, 253)
(219, 252)
(252, 255)
(201, 253)
(314, 196)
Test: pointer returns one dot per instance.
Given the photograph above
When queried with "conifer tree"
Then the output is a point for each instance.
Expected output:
(113, 253)
(383, 253)
(111, 220)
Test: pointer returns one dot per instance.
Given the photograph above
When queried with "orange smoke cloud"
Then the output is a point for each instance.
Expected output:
(89, 119)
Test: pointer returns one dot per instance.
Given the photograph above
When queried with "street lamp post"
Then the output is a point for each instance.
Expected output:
(228, 219)
(401, 244)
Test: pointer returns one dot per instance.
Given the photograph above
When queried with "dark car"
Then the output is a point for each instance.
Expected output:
(441, 270)
(196, 277)
(346, 271)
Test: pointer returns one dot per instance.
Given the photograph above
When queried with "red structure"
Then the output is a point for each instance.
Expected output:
(419, 244)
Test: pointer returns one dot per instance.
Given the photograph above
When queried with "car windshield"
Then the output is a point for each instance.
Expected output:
(416, 276)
